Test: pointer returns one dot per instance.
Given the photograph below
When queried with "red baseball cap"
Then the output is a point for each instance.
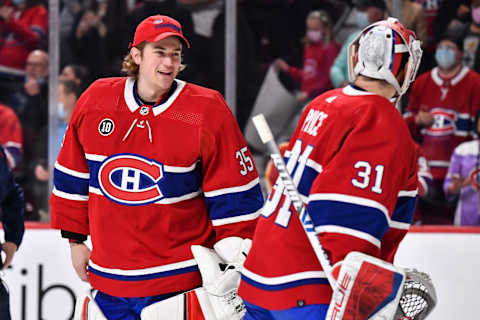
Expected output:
(156, 28)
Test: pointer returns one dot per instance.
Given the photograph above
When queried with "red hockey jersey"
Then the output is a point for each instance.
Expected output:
(355, 164)
(11, 136)
(20, 35)
(453, 103)
(148, 182)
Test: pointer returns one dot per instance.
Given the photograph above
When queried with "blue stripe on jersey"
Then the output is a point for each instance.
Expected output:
(348, 215)
(404, 209)
(287, 285)
(69, 184)
(308, 176)
(235, 204)
(306, 181)
(171, 184)
(463, 124)
(149, 276)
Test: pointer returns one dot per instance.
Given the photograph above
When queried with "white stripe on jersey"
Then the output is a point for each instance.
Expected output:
(283, 279)
(242, 218)
(408, 193)
(220, 192)
(140, 272)
(78, 174)
(399, 225)
(351, 232)
(69, 196)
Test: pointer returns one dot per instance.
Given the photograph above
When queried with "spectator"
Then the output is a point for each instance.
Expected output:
(33, 114)
(319, 53)
(471, 39)
(413, 17)
(68, 93)
(463, 180)
(23, 28)
(206, 59)
(10, 136)
(368, 11)
(443, 103)
(76, 73)
(451, 14)
(87, 39)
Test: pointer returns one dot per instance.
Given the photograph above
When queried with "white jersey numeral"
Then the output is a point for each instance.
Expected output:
(364, 175)
(296, 164)
(245, 161)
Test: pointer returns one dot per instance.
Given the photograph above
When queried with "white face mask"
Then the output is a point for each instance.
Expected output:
(362, 19)
(445, 57)
(314, 35)
(61, 113)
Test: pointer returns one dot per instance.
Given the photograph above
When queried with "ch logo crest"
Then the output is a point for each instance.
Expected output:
(130, 179)
(443, 122)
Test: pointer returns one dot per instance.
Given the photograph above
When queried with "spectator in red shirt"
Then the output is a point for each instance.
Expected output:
(319, 53)
(23, 28)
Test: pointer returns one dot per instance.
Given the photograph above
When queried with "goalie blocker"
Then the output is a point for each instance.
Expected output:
(370, 288)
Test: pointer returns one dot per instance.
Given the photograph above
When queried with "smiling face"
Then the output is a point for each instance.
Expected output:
(159, 63)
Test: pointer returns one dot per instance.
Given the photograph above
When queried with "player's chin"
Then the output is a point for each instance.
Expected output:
(165, 78)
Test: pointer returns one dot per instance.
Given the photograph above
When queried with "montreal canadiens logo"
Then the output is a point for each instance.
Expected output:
(130, 179)
(443, 122)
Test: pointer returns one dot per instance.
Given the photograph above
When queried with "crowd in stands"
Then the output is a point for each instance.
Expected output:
(307, 42)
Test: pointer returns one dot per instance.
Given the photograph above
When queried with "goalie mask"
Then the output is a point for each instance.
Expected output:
(385, 50)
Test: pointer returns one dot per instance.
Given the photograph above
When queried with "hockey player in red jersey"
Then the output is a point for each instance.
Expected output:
(355, 165)
(150, 165)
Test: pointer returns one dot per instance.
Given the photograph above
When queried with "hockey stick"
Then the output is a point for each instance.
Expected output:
(291, 190)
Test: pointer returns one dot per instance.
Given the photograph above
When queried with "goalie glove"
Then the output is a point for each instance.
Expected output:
(418, 297)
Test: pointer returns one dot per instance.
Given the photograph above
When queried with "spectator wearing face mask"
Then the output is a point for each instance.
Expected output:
(319, 53)
(442, 105)
(367, 12)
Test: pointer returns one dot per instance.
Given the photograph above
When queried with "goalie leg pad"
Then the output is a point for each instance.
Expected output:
(196, 304)
(367, 288)
(87, 309)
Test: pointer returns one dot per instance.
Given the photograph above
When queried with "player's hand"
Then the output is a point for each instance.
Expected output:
(9, 248)
(424, 118)
(80, 255)
(282, 65)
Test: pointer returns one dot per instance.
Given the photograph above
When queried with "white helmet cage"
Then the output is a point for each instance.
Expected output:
(378, 50)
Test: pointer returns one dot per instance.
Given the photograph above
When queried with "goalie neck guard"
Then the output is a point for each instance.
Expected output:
(382, 51)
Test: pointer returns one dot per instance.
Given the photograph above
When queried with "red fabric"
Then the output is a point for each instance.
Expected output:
(22, 34)
(317, 61)
(194, 310)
